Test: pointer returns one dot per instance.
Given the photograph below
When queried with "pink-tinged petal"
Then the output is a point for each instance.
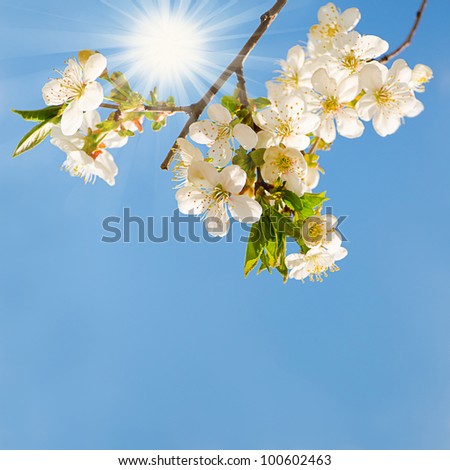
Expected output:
(233, 179)
(220, 153)
(328, 14)
(92, 97)
(244, 209)
(192, 201)
(204, 132)
(327, 130)
(348, 89)
(219, 114)
(72, 119)
(386, 123)
(203, 175)
(323, 84)
(246, 136)
(348, 124)
(217, 221)
(350, 18)
(95, 66)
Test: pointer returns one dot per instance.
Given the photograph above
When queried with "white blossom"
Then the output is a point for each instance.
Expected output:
(288, 165)
(288, 123)
(187, 154)
(330, 100)
(332, 22)
(421, 75)
(78, 163)
(388, 97)
(213, 194)
(218, 132)
(78, 88)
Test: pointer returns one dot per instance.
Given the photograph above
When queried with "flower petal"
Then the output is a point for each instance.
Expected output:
(204, 132)
(192, 201)
(348, 124)
(244, 209)
(203, 175)
(219, 114)
(246, 136)
(72, 119)
(92, 97)
(221, 153)
(217, 221)
(233, 179)
(95, 66)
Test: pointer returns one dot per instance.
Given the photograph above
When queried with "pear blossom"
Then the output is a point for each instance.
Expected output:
(78, 163)
(288, 165)
(187, 154)
(218, 132)
(330, 99)
(78, 88)
(351, 51)
(332, 22)
(421, 75)
(288, 123)
(213, 195)
(388, 97)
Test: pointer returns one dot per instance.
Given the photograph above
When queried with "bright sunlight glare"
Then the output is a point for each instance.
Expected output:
(177, 46)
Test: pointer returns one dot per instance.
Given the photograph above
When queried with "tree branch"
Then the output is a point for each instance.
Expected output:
(236, 66)
(157, 109)
(410, 37)
(242, 87)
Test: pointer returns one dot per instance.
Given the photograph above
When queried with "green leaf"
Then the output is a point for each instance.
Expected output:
(293, 201)
(231, 103)
(258, 157)
(314, 200)
(121, 84)
(35, 137)
(261, 103)
(244, 160)
(39, 115)
(284, 225)
(255, 248)
(157, 126)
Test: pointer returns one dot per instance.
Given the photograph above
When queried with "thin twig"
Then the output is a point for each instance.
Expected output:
(157, 109)
(197, 109)
(410, 37)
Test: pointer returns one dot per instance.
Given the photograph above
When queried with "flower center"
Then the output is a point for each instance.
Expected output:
(383, 96)
(331, 105)
(351, 62)
(284, 164)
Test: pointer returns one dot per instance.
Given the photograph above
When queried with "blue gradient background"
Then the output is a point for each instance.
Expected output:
(148, 346)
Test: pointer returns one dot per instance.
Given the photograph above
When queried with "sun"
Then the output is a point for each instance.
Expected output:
(177, 46)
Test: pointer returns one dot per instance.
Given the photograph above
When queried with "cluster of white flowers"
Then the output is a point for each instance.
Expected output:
(259, 163)
(327, 88)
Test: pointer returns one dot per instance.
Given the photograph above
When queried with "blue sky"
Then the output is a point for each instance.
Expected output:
(166, 346)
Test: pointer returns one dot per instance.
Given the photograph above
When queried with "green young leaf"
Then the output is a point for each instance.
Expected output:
(231, 103)
(284, 225)
(39, 115)
(35, 136)
(121, 84)
(157, 126)
(244, 160)
(261, 103)
(258, 157)
(293, 201)
(255, 248)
